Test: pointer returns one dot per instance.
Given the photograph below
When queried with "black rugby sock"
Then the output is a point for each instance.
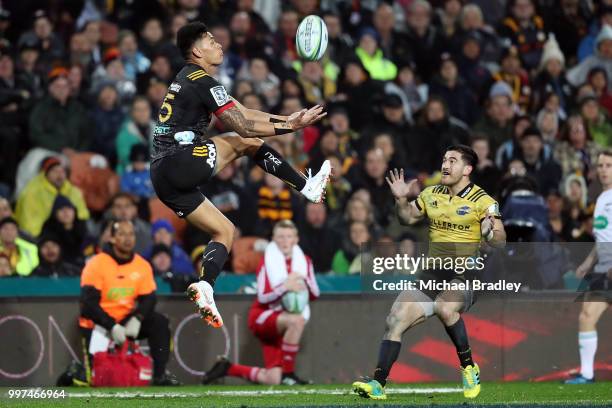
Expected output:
(272, 162)
(214, 258)
(458, 335)
(388, 353)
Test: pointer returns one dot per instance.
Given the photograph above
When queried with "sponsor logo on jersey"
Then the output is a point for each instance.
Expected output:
(220, 94)
(433, 203)
(119, 293)
(212, 155)
(174, 87)
(600, 222)
(464, 210)
(449, 225)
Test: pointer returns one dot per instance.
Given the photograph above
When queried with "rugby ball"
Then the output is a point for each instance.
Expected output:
(311, 38)
(295, 302)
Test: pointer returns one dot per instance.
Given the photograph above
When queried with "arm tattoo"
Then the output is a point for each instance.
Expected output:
(234, 119)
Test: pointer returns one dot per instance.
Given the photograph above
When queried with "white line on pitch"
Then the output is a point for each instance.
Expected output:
(247, 393)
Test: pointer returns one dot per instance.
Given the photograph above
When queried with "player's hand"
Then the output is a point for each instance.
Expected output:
(118, 334)
(132, 327)
(399, 188)
(306, 117)
(582, 270)
(486, 226)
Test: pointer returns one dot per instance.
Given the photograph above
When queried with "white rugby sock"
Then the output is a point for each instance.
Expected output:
(587, 344)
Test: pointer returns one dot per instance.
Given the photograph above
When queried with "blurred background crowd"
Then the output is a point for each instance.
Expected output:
(526, 83)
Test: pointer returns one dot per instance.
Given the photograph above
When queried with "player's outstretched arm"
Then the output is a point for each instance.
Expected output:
(234, 119)
(407, 211)
(295, 118)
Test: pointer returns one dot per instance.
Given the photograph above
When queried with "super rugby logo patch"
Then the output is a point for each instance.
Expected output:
(220, 95)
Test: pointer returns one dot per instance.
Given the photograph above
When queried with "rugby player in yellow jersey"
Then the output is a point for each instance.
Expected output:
(458, 212)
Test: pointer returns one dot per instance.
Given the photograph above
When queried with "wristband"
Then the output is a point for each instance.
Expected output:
(276, 120)
(278, 131)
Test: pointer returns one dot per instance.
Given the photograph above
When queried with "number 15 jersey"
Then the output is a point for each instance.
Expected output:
(187, 110)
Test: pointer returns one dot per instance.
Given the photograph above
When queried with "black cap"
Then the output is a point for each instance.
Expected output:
(392, 101)
(604, 9)
(40, 14)
(8, 220)
(4, 14)
(473, 35)
(30, 44)
(139, 152)
(531, 131)
(159, 248)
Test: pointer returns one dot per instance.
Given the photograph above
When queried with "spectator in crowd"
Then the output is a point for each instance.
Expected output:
(414, 92)
(265, 82)
(475, 28)
(435, 130)
(392, 121)
(22, 255)
(498, 120)
(316, 85)
(424, 39)
(588, 44)
(15, 102)
(112, 71)
(50, 44)
(598, 79)
(163, 233)
(546, 172)
(161, 260)
(35, 202)
(596, 120)
(551, 77)
(524, 29)
(137, 129)
(576, 153)
(358, 91)
(459, 98)
(283, 41)
(29, 70)
(486, 175)
(569, 21)
(547, 123)
(69, 230)
(373, 180)
(123, 207)
(275, 202)
(134, 62)
(340, 45)
(153, 41)
(448, 17)
(80, 51)
(317, 238)
(92, 32)
(107, 118)
(58, 121)
(512, 73)
(136, 180)
(508, 151)
(50, 255)
(372, 58)
(601, 58)
(338, 188)
(348, 258)
(129, 313)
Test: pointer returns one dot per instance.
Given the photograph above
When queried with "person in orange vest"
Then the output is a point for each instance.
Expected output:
(118, 293)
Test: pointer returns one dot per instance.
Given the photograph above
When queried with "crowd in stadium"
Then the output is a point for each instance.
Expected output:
(526, 83)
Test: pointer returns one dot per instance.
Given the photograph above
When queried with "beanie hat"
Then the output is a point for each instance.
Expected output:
(551, 51)
(48, 163)
(61, 202)
(162, 224)
(604, 34)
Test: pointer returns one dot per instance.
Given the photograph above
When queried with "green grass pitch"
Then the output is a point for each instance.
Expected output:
(339, 395)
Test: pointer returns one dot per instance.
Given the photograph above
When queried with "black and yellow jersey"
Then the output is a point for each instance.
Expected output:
(187, 110)
(456, 219)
